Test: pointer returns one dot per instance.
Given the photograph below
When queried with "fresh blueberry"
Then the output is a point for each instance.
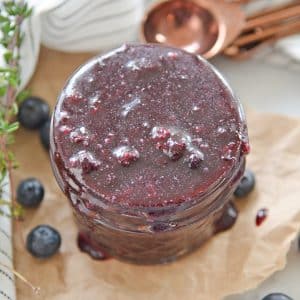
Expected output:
(246, 185)
(277, 296)
(33, 113)
(43, 241)
(30, 192)
(228, 219)
(45, 134)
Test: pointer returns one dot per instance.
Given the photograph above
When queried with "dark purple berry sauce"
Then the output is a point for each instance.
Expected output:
(261, 216)
(147, 114)
(85, 245)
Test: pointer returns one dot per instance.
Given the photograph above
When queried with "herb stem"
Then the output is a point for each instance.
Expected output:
(13, 63)
(35, 289)
(12, 15)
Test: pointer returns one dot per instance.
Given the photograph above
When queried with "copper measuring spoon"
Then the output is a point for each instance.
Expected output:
(258, 35)
(198, 26)
(205, 27)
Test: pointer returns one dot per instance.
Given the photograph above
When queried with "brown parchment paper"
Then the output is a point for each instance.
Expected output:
(229, 263)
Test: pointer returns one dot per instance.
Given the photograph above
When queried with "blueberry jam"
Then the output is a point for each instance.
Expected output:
(85, 245)
(148, 137)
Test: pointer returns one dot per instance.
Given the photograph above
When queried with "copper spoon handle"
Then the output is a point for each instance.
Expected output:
(274, 17)
(267, 11)
(266, 33)
(238, 1)
(246, 51)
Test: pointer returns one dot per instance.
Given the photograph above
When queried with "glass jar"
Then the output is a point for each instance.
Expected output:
(148, 232)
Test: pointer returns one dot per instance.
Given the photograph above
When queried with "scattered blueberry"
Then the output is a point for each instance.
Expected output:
(45, 134)
(33, 113)
(277, 296)
(228, 218)
(246, 185)
(43, 241)
(30, 192)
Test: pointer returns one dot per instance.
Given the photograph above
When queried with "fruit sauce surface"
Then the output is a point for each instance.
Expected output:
(147, 126)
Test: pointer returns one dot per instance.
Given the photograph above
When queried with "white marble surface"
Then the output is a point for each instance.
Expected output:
(268, 88)
(264, 86)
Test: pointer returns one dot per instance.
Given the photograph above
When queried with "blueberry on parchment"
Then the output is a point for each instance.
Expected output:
(246, 184)
(43, 241)
(277, 296)
(30, 192)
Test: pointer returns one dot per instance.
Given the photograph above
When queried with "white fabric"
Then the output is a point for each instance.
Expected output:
(7, 285)
(78, 25)
(85, 25)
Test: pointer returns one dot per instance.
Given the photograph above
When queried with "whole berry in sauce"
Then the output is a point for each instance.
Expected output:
(160, 133)
(194, 160)
(174, 149)
(126, 155)
(85, 161)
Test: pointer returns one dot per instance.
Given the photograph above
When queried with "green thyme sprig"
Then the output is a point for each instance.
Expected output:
(12, 16)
